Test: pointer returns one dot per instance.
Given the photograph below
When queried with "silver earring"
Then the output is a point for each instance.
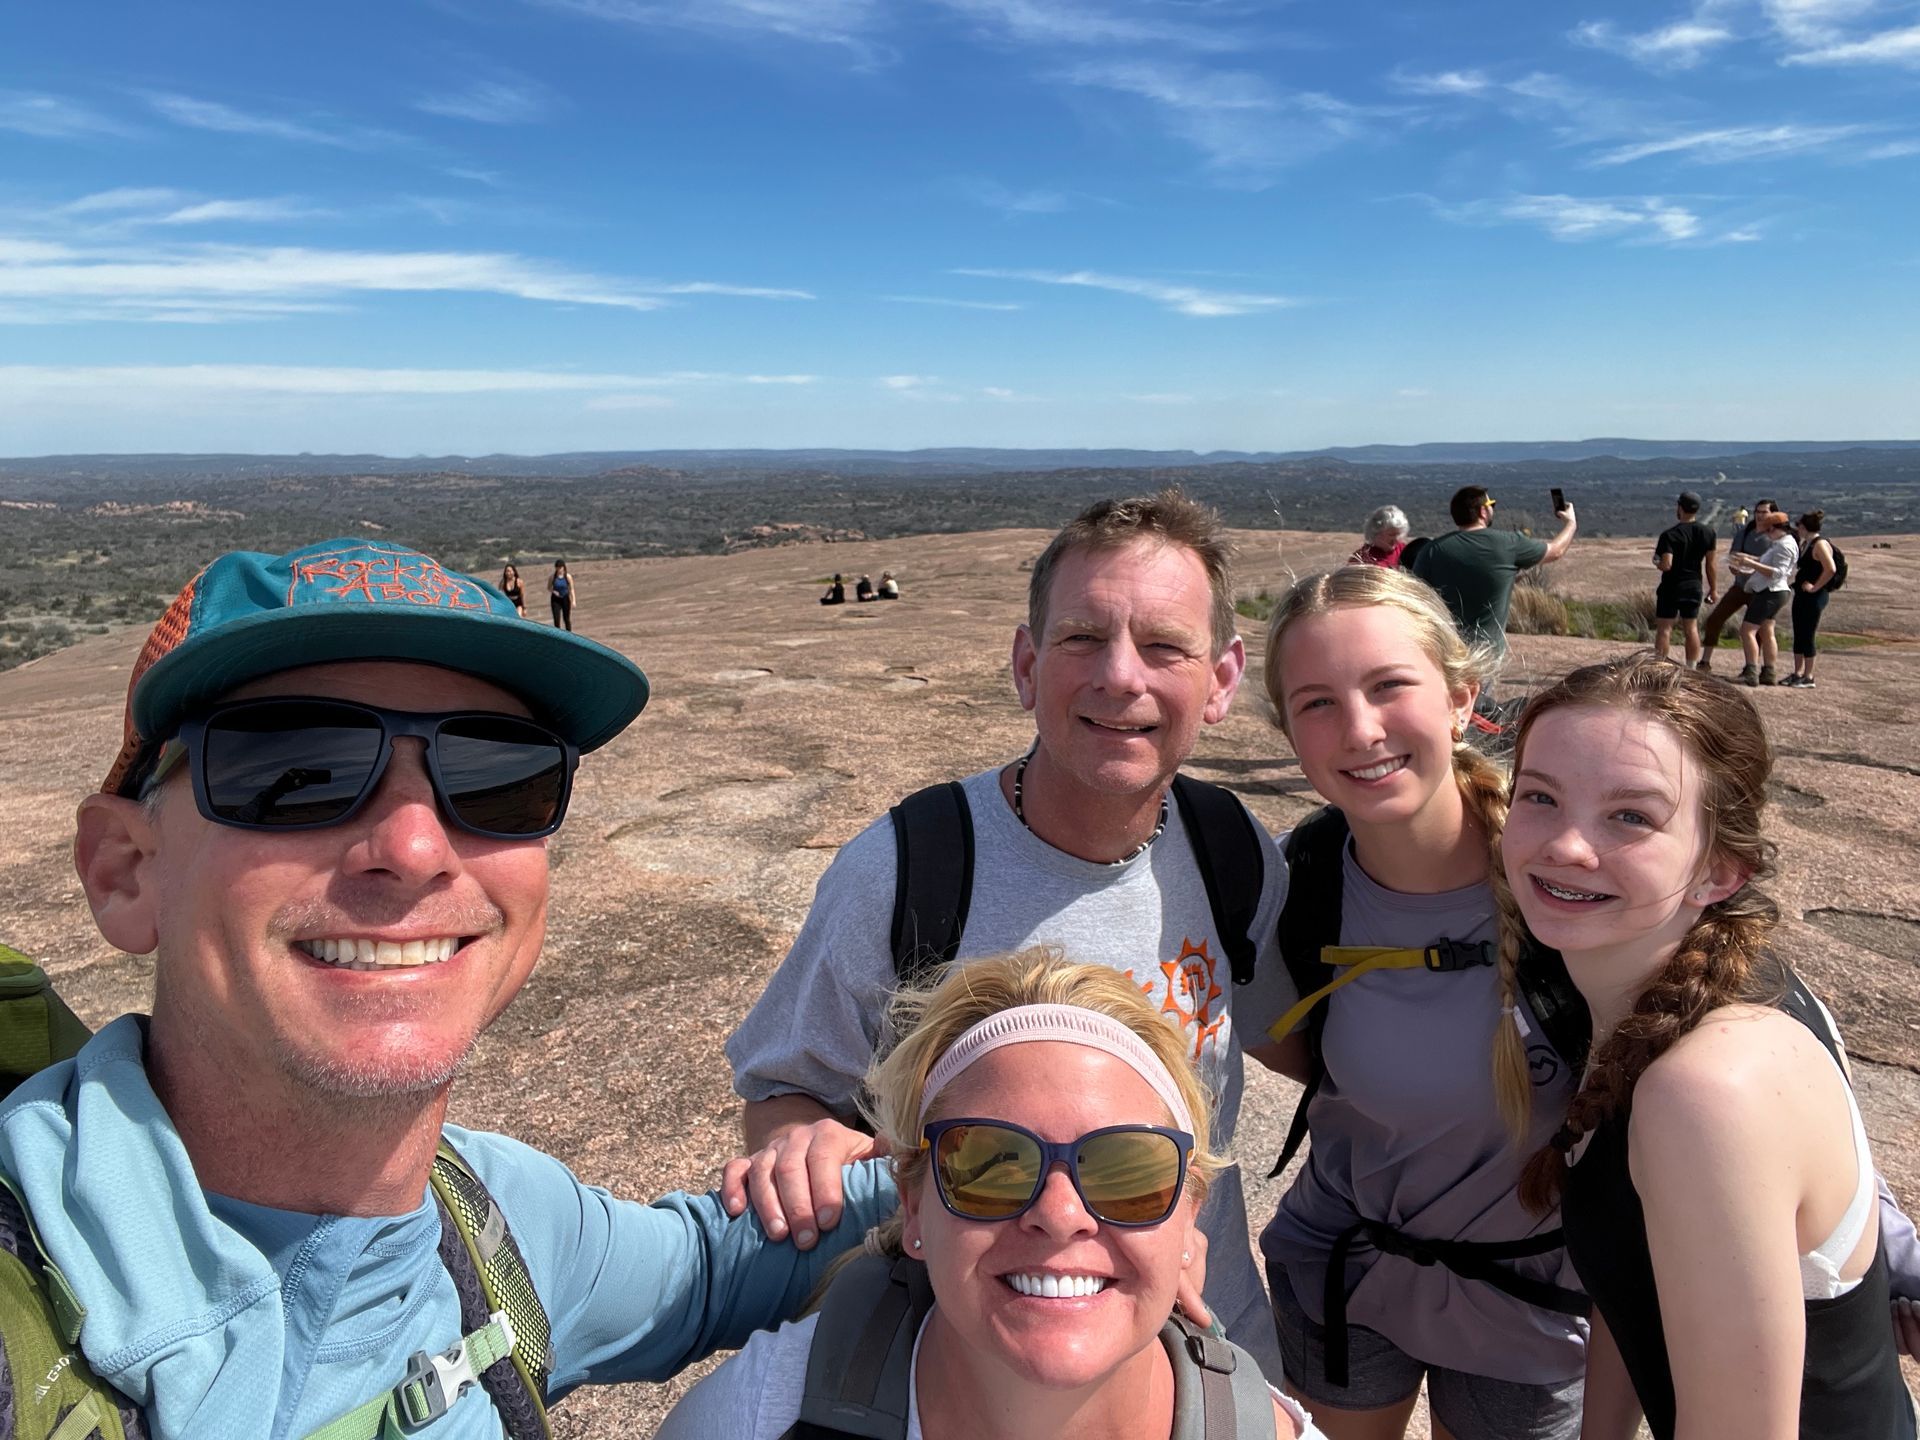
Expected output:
(1186, 1257)
(916, 1244)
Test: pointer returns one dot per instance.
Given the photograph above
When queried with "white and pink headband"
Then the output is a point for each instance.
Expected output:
(1068, 1023)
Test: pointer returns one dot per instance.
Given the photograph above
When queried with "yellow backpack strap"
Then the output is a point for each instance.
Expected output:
(49, 1389)
(1353, 961)
(491, 1277)
(36, 1027)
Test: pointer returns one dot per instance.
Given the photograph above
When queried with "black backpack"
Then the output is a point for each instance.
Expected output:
(1310, 921)
(1839, 568)
(933, 888)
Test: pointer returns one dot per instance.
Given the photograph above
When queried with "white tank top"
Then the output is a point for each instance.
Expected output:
(1820, 1267)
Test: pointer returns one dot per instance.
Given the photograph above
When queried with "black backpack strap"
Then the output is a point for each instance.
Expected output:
(859, 1368)
(1218, 1390)
(1231, 851)
(1309, 922)
(489, 1273)
(1559, 1007)
(933, 877)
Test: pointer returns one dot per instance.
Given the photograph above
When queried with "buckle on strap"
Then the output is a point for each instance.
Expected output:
(1450, 955)
(433, 1382)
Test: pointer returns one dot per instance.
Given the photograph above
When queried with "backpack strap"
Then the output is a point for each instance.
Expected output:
(1559, 1007)
(1231, 852)
(860, 1366)
(36, 1027)
(47, 1388)
(1218, 1390)
(490, 1275)
(1309, 923)
(933, 877)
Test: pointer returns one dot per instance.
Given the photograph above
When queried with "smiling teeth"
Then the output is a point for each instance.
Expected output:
(1058, 1287)
(1380, 771)
(1561, 893)
(380, 954)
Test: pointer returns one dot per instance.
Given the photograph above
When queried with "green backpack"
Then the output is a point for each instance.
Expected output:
(49, 1392)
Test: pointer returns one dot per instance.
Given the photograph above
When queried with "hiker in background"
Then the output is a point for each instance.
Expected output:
(563, 592)
(863, 590)
(889, 587)
(1769, 581)
(836, 592)
(1382, 538)
(1409, 1160)
(1729, 1234)
(1814, 580)
(511, 587)
(1091, 841)
(237, 1189)
(1474, 568)
(1050, 1141)
(1684, 557)
(1749, 538)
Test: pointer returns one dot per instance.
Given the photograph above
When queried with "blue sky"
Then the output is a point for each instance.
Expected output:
(542, 225)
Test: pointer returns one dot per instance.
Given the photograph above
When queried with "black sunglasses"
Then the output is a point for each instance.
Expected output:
(1127, 1175)
(301, 762)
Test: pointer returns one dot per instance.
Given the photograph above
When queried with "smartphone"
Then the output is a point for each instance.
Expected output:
(1559, 500)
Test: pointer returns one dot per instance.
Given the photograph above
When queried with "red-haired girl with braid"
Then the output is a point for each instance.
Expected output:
(1713, 1176)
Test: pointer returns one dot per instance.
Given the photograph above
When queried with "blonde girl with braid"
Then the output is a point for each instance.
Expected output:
(1401, 1253)
(1713, 1174)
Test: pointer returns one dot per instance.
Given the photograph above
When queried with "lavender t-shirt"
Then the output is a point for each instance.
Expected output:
(1406, 1129)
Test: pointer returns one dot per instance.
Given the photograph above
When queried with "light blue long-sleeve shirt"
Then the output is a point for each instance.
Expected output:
(227, 1319)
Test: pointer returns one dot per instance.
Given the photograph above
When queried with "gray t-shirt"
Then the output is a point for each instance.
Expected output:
(1406, 1129)
(818, 1023)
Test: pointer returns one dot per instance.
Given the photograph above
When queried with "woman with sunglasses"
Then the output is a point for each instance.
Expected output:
(1050, 1143)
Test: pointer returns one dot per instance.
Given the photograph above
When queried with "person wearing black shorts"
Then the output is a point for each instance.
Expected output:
(1684, 557)
(1769, 580)
(1747, 538)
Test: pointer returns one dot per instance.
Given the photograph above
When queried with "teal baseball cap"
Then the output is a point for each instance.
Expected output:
(247, 615)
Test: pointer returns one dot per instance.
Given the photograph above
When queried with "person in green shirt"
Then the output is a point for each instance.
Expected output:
(1474, 568)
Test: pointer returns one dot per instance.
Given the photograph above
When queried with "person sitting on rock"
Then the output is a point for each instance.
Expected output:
(864, 589)
(836, 592)
(889, 587)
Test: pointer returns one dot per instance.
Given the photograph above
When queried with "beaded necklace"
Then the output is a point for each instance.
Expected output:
(1020, 814)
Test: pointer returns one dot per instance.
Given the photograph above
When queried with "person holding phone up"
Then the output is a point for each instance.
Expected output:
(1474, 568)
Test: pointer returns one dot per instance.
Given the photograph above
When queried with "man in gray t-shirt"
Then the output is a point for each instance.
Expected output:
(1474, 568)
(1130, 647)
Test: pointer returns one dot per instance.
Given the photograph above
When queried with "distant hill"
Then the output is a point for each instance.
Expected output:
(957, 461)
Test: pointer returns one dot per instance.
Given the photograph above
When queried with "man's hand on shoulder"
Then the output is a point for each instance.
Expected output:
(793, 1179)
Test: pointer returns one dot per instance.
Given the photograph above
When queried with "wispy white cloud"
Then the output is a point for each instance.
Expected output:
(1008, 201)
(1244, 126)
(1809, 24)
(1643, 219)
(1888, 47)
(853, 25)
(125, 198)
(1677, 46)
(954, 304)
(491, 102)
(54, 117)
(998, 392)
(632, 402)
(906, 382)
(1895, 150)
(1182, 299)
(1066, 23)
(1444, 82)
(1161, 397)
(1412, 392)
(1743, 142)
(354, 380)
(224, 119)
(241, 211)
(258, 281)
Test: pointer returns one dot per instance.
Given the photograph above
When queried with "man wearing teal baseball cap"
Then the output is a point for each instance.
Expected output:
(328, 818)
